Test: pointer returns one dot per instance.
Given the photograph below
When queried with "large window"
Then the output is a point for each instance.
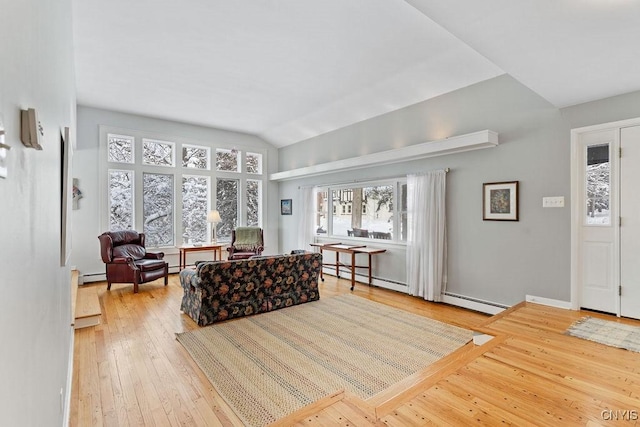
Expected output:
(120, 185)
(227, 202)
(165, 188)
(195, 206)
(373, 211)
(157, 209)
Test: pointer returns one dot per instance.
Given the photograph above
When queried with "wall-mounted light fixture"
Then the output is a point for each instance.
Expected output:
(32, 131)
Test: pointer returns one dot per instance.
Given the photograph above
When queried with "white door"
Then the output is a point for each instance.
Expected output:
(598, 271)
(630, 222)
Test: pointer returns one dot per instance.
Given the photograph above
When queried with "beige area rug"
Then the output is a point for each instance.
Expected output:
(270, 365)
(607, 332)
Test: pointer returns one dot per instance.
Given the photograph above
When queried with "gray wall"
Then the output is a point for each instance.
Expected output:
(35, 314)
(489, 260)
(615, 108)
(86, 219)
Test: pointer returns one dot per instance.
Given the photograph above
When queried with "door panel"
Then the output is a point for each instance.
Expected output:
(630, 218)
(598, 269)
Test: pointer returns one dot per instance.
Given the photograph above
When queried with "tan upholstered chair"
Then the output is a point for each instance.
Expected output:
(246, 242)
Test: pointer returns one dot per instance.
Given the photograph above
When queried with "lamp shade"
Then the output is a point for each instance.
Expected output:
(214, 216)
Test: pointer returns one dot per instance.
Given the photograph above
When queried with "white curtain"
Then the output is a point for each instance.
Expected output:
(306, 215)
(426, 235)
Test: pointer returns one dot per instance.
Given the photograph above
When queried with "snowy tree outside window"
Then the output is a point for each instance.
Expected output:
(195, 157)
(120, 200)
(227, 205)
(157, 209)
(598, 185)
(195, 206)
(120, 148)
(367, 211)
(176, 199)
(254, 163)
(158, 153)
(253, 203)
(227, 160)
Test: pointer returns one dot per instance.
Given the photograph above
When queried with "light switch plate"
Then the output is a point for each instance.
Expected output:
(553, 202)
(3, 150)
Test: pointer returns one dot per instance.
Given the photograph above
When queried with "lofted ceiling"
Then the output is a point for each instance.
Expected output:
(289, 70)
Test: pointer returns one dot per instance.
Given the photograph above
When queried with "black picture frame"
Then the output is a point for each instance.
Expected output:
(286, 207)
(500, 201)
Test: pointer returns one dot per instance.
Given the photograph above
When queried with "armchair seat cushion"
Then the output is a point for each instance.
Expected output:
(242, 255)
(150, 264)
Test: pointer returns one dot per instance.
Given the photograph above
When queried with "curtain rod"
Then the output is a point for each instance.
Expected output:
(355, 181)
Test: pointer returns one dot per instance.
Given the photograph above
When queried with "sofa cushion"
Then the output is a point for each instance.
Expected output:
(129, 251)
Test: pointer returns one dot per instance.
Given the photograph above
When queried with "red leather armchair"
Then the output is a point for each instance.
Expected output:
(246, 242)
(127, 260)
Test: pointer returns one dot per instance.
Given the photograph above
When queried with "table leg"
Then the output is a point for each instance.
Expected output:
(353, 270)
(369, 269)
(321, 267)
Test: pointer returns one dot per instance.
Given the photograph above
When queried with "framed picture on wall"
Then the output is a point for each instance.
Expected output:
(285, 207)
(500, 201)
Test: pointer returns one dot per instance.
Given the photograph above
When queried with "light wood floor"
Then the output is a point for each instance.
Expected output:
(130, 370)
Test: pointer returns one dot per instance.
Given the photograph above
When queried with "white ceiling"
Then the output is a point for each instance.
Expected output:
(288, 70)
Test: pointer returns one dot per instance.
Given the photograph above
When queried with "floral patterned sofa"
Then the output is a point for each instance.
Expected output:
(220, 290)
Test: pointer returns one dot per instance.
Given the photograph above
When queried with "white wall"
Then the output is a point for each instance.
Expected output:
(488, 260)
(36, 70)
(86, 220)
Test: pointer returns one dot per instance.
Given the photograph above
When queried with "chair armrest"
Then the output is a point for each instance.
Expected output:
(154, 255)
(125, 260)
(189, 278)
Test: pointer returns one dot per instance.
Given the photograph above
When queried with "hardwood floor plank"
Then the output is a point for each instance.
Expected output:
(130, 369)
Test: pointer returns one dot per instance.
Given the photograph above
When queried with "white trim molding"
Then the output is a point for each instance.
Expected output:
(549, 302)
(451, 145)
(473, 304)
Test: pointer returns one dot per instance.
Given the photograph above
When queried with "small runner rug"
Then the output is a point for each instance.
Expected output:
(606, 332)
(269, 365)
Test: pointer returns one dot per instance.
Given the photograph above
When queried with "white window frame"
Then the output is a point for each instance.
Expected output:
(178, 171)
(203, 147)
(396, 183)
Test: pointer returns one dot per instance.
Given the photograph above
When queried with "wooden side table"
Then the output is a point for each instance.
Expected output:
(184, 249)
(352, 250)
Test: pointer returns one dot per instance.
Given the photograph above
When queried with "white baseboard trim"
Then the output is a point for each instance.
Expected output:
(362, 280)
(472, 304)
(88, 278)
(549, 301)
(66, 415)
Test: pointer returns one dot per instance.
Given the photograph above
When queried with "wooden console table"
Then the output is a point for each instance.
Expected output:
(353, 250)
(217, 252)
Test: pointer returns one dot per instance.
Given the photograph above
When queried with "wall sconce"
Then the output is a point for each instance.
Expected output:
(32, 131)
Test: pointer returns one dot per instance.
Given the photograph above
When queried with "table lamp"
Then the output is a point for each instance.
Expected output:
(214, 218)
